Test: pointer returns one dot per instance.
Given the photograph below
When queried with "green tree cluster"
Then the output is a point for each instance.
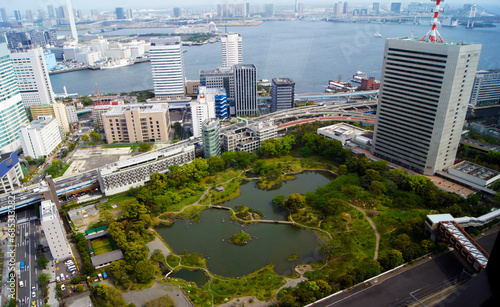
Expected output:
(82, 245)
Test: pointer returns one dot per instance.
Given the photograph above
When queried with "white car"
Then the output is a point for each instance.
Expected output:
(58, 279)
(33, 294)
(63, 287)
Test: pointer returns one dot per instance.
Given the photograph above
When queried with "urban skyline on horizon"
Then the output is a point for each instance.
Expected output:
(35, 5)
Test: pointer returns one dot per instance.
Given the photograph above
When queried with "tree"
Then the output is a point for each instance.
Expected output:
(44, 279)
(95, 136)
(377, 188)
(279, 200)
(86, 101)
(295, 202)
(334, 206)
(42, 261)
(342, 170)
(107, 296)
(72, 146)
(79, 288)
(85, 138)
(106, 218)
(391, 259)
(145, 147)
(144, 271)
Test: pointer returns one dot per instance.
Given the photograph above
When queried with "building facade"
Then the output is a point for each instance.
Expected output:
(232, 49)
(217, 78)
(201, 109)
(245, 90)
(10, 172)
(133, 123)
(134, 172)
(423, 101)
(210, 129)
(282, 94)
(167, 66)
(71, 113)
(56, 110)
(54, 231)
(33, 77)
(12, 112)
(40, 137)
(486, 89)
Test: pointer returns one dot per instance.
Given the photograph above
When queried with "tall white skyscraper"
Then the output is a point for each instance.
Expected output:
(54, 231)
(424, 94)
(167, 66)
(12, 112)
(72, 24)
(202, 109)
(33, 77)
(232, 49)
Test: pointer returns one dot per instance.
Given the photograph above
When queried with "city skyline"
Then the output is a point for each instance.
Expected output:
(110, 6)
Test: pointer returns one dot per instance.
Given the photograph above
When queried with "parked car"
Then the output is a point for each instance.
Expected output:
(63, 287)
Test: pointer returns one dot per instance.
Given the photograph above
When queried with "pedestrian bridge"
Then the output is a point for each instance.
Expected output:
(464, 244)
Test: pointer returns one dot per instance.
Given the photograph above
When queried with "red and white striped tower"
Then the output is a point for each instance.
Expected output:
(433, 34)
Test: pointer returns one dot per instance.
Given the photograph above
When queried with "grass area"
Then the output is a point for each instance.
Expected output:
(100, 242)
(24, 170)
(115, 200)
(132, 147)
(190, 212)
(173, 261)
(103, 250)
(263, 284)
(62, 170)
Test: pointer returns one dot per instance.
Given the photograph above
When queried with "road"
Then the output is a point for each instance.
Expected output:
(27, 240)
(395, 290)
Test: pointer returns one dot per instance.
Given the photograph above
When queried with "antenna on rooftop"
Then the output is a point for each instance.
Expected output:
(433, 33)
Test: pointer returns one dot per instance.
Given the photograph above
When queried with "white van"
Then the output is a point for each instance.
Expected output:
(21, 284)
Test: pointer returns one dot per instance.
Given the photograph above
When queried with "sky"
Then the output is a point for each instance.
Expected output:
(35, 5)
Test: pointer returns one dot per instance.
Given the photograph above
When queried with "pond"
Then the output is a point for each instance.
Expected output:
(269, 244)
(198, 276)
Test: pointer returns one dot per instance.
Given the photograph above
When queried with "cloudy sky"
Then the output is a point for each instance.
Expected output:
(35, 5)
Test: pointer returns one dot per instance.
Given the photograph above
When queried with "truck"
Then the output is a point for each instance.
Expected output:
(104, 275)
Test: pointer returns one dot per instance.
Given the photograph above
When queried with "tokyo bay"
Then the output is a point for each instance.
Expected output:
(309, 52)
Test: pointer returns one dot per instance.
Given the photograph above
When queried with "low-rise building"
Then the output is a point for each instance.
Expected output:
(346, 133)
(40, 137)
(133, 123)
(248, 138)
(10, 172)
(71, 113)
(122, 175)
(54, 231)
(474, 173)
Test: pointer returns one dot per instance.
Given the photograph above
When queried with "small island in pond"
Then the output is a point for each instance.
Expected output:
(240, 239)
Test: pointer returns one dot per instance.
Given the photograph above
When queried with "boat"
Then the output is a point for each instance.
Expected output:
(356, 79)
(377, 35)
(116, 64)
(359, 72)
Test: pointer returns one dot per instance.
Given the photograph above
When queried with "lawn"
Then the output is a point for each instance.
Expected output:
(101, 246)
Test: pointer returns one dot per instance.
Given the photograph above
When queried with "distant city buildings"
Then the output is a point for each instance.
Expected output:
(12, 112)
(5, 17)
(176, 12)
(245, 90)
(40, 137)
(167, 66)
(420, 117)
(232, 49)
(54, 231)
(376, 8)
(269, 10)
(282, 94)
(486, 89)
(132, 123)
(120, 13)
(396, 7)
(210, 130)
(33, 77)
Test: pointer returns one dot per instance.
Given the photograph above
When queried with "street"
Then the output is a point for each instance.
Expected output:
(28, 238)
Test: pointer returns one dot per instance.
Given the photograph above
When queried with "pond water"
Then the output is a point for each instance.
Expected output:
(269, 244)
(198, 276)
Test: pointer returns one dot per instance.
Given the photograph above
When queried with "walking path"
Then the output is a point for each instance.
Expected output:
(377, 234)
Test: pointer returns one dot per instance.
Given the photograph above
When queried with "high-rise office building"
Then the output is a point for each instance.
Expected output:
(41, 14)
(222, 77)
(51, 11)
(201, 109)
(376, 8)
(219, 96)
(210, 135)
(62, 12)
(269, 10)
(396, 7)
(29, 15)
(33, 77)
(176, 12)
(232, 49)
(282, 94)
(5, 18)
(338, 9)
(486, 89)
(40, 137)
(12, 112)
(300, 9)
(71, 17)
(423, 101)
(17, 15)
(120, 13)
(54, 231)
(245, 90)
(345, 8)
(167, 66)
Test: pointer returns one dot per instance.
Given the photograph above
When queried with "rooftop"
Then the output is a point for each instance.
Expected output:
(165, 41)
(283, 81)
(107, 258)
(436, 218)
(149, 108)
(445, 43)
(39, 124)
(475, 170)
